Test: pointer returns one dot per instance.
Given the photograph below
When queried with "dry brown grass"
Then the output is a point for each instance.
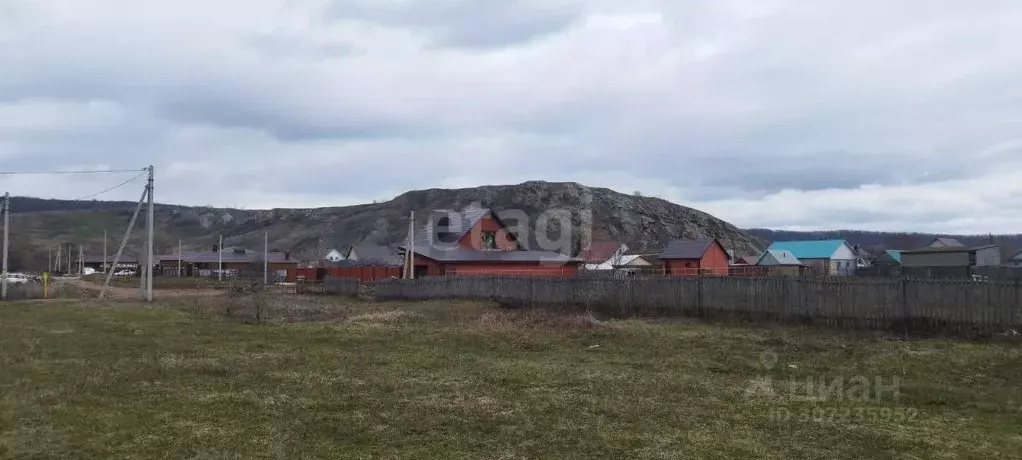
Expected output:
(329, 377)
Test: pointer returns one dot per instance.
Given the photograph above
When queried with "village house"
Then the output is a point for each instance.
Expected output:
(602, 255)
(780, 262)
(823, 257)
(375, 254)
(334, 256)
(232, 261)
(948, 261)
(101, 265)
(475, 241)
(887, 263)
(946, 243)
(695, 257)
(1015, 261)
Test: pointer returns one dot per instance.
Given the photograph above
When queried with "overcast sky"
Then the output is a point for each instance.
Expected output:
(869, 114)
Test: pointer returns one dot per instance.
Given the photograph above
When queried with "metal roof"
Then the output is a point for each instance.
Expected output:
(687, 249)
(226, 256)
(895, 254)
(461, 254)
(783, 257)
(931, 250)
(950, 242)
(382, 255)
(820, 249)
(125, 259)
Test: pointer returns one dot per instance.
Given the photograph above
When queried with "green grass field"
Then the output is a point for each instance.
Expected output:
(464, 380)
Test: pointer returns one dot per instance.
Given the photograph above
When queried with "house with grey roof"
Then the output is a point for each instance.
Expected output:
(780, 262)
(229, 261)
(375, 254)
(948, 262)
(946, 243)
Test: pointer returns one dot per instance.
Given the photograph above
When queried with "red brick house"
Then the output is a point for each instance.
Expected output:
(476, 242)
(695, 257)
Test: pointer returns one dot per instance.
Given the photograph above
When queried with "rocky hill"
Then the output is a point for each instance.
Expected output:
(643, 222)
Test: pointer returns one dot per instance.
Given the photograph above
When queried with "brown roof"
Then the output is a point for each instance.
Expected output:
(687, 249)
(951, 242)
(598, 251)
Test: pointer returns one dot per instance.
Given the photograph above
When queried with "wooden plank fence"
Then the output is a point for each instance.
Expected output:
(341, 286)
(892, 304)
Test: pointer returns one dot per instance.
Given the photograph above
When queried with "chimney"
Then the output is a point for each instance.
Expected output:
(287, 255)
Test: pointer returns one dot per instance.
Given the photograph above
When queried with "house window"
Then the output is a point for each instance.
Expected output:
(688, 264)
(489, 241)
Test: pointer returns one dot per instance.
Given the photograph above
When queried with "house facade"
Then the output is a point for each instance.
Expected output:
(334, 256)
(780, 263)
(1015, 261)
(602, 255)
(822, 257)
(475, 241)
(233, 261)
(695, 257)
(952, 256)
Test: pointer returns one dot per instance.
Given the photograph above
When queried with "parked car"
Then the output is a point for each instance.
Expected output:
(18, 278)
(124, 273)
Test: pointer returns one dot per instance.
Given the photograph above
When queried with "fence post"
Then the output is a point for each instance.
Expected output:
(906, 317)
(699, 296)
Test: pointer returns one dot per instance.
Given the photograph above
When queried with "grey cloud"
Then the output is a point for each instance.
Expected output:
(468, 23)
(787, 99)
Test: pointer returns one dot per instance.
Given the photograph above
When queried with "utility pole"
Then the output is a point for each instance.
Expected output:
(69, 258)
(266, 258)
(124, 242)
(104, 251)
(81, 260)
(410, 248)
(179, 256)
(58, 259)
(149, 246)
(7, 222)
(220, 259)
(411, 260)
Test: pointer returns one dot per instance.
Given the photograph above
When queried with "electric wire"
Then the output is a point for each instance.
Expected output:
(85, 171)
(122, 184)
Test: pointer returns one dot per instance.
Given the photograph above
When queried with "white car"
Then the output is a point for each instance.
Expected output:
(18, 278)
(124, 273)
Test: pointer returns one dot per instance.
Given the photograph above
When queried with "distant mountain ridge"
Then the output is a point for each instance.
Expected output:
(1010, 244)
(39, 225)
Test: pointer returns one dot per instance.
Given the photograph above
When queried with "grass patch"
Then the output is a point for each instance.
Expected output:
(342, 378)
(160, 282)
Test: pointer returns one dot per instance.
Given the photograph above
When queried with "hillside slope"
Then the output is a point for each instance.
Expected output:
(643, 222)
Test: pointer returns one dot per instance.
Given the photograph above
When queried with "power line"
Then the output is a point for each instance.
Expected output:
(87, 171)
(122, 184)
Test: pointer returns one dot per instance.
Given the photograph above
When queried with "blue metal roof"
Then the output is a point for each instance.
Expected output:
(822, 249)
(895, 254)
